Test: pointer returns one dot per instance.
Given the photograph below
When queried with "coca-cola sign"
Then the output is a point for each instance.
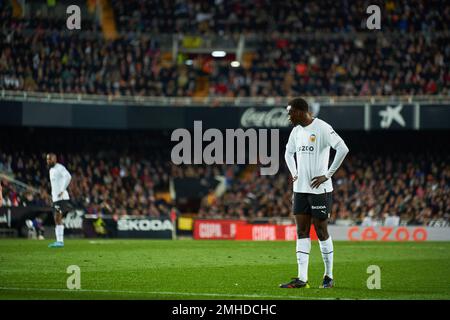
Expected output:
(275, 117)
(270, 118)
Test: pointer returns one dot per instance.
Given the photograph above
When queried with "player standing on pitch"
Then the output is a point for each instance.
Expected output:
(311, 140)
(59, 180)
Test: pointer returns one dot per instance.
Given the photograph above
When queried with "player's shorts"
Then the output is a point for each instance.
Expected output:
(317, 205)
(62, 206)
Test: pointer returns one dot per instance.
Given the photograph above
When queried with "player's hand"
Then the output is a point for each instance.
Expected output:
(317, 181)
(294, 178)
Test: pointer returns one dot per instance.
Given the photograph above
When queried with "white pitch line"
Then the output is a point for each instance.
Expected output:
(169, 293)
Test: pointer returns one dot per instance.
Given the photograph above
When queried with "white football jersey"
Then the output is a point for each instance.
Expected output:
(59, 180)
(311, 144)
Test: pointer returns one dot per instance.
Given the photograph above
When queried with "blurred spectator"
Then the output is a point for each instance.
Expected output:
(392, 220)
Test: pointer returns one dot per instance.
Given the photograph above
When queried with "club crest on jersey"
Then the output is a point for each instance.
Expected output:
(312, 138)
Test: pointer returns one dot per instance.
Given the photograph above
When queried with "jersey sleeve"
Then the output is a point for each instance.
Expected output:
(332, 139)
(65, 178)
(335, 141)
(289, 154)
(290, 146)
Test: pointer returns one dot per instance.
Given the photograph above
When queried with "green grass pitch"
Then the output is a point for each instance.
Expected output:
(187, 269)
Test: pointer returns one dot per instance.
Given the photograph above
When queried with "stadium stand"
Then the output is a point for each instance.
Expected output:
(263, 16)
(278, 61)
(292, 49)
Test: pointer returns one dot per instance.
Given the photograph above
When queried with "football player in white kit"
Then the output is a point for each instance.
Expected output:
(59, 180)
(310, 140)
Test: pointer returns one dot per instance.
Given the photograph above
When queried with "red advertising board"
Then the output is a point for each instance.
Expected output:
(216, 229)
(241, 230)
(269, 232)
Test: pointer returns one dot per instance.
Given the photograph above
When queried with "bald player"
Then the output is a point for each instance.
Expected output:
(59, 180)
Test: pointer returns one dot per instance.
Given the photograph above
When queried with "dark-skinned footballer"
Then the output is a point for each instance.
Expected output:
(310, 141)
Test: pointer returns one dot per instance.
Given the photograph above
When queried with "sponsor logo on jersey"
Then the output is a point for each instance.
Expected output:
(318, 207)
(305, 148)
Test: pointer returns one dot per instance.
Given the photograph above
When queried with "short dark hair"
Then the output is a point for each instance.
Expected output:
(299, 104)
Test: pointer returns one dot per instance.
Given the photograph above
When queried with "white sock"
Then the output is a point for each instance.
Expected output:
(303, 249)
(326, 247)
(59, 231)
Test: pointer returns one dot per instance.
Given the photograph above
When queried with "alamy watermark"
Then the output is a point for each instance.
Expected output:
(74, 280)
(235, 145)
(74, 20)
(374, 280)
(374, 20)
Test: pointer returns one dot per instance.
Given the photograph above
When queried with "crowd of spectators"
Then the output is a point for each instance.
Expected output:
(282, 63)
(54, 62)
(287, 65)
(237, 16)
(104, 183)
(414, 188)
(111, 173)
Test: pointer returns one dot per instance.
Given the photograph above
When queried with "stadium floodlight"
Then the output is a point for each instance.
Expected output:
(235, 64)
(218, 54)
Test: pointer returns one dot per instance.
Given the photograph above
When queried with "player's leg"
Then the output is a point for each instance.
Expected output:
(303, 246)
(322, 203)
(59, 227)
(303, 222)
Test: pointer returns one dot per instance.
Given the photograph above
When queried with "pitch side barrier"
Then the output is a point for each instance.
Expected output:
(241, 230)
(79, 224)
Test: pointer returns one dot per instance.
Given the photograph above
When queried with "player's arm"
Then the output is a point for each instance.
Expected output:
(66, 178)
(289, 156)
(336, 142)
(1, 196)
(341, 151)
